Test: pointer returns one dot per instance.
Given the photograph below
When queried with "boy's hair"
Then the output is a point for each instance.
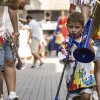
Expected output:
(76, 17)
(29, 17)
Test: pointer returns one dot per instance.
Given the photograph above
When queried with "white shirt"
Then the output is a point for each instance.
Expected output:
(1, 19)
(34, 26)
(5, 23)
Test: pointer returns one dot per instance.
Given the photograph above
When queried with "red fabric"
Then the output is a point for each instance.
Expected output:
(1, 41)
(96, 37)
(13, 34)
(62, 21)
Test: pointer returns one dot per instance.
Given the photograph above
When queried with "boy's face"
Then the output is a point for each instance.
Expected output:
(76, 28)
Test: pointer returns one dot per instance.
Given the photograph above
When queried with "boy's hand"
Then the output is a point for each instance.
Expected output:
(71, 59)
(64, 52)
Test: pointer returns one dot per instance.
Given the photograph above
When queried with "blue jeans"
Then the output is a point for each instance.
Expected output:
(5, 54)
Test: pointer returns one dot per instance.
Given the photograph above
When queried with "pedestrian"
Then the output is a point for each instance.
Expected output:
(84, 5)
(8, 23)
(59, 40)
(35, 37)
(61, 25)
(43, 44)
(96, 39)
(84, 80)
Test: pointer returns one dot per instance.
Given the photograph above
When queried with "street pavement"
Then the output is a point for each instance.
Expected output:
(40, 83)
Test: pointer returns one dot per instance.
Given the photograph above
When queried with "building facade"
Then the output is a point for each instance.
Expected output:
(45, 10)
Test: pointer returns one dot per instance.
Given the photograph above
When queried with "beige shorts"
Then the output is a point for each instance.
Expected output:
(80, 91)
(35, 45)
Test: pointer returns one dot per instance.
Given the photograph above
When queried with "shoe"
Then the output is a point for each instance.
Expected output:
(41, 63)
(2, 97)
(13, 96)
(95, 95)
(32, 66)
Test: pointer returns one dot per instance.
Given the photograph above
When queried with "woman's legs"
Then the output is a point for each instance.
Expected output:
(1, 82)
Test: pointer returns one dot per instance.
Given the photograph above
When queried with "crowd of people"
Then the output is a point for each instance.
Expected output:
(86, 77)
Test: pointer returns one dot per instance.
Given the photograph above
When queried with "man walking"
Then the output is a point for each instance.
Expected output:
(35, 36)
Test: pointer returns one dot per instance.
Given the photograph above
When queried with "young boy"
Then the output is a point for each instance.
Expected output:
(84, 80)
